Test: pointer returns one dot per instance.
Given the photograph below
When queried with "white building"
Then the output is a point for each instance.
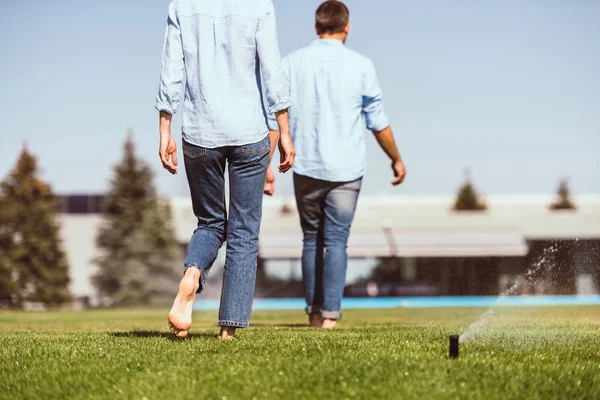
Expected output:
(420, 231)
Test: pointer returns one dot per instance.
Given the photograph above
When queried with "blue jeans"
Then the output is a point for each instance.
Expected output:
(205, 170)
(326, 214)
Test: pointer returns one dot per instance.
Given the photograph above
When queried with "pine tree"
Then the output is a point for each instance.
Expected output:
(8, 285)
(140, 253)
(163, 257)
(33, 268)
(468, 199)
(564, 197)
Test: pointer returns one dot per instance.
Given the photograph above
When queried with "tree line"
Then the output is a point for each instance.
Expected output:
(140, 258)
(469, 199)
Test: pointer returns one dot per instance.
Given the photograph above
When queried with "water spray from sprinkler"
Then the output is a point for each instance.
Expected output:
(545, 260)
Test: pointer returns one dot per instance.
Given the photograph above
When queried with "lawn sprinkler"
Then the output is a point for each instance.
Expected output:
(454, 346)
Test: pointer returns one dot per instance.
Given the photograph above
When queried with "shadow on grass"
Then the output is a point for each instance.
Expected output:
(164, 335)
(277, 325)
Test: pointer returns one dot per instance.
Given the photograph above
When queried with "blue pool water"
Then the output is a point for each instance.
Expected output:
(420, 302)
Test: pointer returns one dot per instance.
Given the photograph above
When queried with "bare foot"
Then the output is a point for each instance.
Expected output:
(227, 333)
(315, 320)
(329, 323)
(180, 316)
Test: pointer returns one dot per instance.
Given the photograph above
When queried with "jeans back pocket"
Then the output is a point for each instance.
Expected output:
(192, 151)
(258, 148)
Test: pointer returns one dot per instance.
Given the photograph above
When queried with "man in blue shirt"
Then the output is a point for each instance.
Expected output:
(335, 93)
(225, 50)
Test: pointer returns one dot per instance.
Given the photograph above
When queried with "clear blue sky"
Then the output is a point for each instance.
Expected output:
(510, 89)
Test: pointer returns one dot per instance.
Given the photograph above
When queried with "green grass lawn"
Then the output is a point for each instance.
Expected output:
(525, 353)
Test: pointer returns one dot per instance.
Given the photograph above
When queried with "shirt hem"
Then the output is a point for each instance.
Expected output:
(213, 144)
(330, 177)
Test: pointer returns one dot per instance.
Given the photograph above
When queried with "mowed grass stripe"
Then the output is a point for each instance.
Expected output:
(525, 353)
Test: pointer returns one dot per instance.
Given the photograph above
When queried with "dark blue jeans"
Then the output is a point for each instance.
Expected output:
(326, 214)
(205, 168)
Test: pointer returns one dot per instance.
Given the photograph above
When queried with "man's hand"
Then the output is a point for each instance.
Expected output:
(270, 182)
(168, 152)
(399, 172)
(286, 152)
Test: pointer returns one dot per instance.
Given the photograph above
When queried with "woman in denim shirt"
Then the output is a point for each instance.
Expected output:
(227, 51)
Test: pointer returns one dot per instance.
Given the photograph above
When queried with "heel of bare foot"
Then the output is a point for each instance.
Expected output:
(180, 316)
(329, 323)
(227, 333)
(315, 320)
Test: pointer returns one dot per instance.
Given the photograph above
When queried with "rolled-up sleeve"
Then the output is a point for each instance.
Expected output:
(275, 80)
(272, 122)
(172, 69)
(372, 98)
(271, 116)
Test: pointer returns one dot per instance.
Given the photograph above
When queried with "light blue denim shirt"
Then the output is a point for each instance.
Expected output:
(226, 50)
(335, 94)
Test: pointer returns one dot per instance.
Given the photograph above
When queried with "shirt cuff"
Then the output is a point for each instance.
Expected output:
(284, 104)
(163, 107)
(378, 123)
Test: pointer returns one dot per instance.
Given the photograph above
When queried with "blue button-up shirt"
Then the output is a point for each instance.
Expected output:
(221, 48)
(335, 94)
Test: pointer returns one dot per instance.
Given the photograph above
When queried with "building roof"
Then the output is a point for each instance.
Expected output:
(404, 226)
(426, 226)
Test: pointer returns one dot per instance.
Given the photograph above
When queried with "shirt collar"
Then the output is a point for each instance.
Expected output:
(330, 42)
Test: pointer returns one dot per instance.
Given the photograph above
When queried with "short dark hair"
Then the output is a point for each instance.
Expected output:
(332, 17)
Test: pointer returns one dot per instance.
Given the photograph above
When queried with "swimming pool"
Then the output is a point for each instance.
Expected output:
(420, 302)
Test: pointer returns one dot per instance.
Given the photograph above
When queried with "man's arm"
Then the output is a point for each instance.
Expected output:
(169, 91)
(378, 123)
(386, 141)
(274, 138)
(269, 188)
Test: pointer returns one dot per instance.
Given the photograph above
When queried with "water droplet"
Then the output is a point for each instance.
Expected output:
(545, 260)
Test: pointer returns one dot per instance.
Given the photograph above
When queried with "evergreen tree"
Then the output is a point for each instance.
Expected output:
(8, 286)
(468, 199)
(33, 268)
(564, 197)
(140, 254)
